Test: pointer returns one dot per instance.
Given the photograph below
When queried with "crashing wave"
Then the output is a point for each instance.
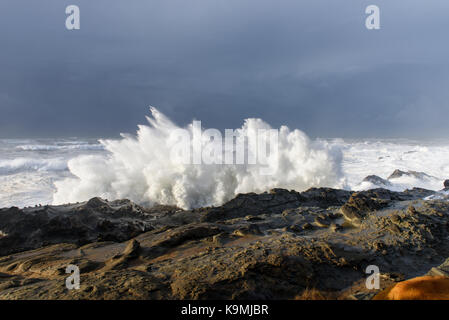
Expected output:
(140, 168)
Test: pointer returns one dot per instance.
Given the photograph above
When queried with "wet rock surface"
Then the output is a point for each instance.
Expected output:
(446, 184)
(399, 173)
(95, 220)
(273, 245)
(376, 180)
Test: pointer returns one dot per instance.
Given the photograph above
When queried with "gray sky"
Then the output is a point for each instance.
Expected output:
(309, 64)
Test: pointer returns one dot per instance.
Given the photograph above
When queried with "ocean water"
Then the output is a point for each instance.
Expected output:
(29, 167)
(137, 167)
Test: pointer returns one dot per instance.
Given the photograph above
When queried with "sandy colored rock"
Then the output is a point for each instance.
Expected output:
(275, 245)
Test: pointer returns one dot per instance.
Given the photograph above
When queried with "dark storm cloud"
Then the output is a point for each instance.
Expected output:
(310, 64)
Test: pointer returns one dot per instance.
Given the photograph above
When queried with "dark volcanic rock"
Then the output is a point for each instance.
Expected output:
(376, 180)
(416, 193)
(446, 184)
(362, 203)
(324, 197)
(275, 201)
(96, 220)
(398, 173)
(273, 245)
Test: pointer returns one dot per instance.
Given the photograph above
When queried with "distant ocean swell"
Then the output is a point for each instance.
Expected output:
(61, 147)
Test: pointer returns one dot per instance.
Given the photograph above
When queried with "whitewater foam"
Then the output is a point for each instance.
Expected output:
(383, 157)
(139, 168)
(46, 171)
(33, 147)
(31, 164)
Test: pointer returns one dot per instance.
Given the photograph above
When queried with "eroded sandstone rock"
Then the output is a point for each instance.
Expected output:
(269, 246)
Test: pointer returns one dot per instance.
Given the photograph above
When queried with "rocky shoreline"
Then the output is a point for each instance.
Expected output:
(275, 245)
